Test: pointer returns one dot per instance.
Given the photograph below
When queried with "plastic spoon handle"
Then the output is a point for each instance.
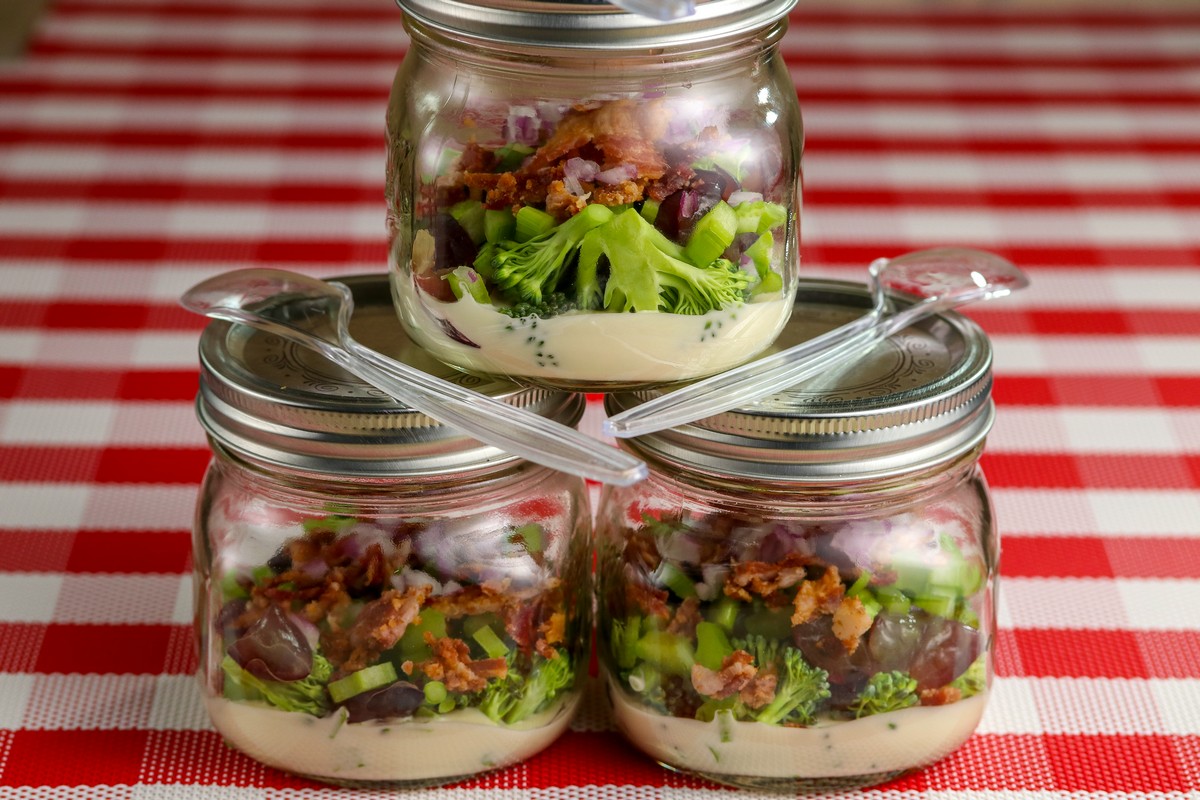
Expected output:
(491, 421)
(658, 9)
(953, 276)
(525, 434)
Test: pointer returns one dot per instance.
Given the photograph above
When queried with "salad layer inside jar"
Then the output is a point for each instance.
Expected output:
(599, 244)
(752, 650)
(386, 649)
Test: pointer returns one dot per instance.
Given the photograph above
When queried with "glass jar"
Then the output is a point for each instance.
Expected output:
(802, 594)
(379, 599)
(584, 198)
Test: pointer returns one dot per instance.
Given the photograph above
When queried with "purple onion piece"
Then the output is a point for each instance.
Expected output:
(399, 699)
(735, 199)
(581, 169)
(273, 649)
(453, 246)
(617, 174)
(716, 181)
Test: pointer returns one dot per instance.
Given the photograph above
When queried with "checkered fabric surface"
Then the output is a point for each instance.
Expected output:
(147, 144)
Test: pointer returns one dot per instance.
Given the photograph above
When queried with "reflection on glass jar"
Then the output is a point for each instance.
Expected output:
(583, 198)
(802, 594)
(379, 599)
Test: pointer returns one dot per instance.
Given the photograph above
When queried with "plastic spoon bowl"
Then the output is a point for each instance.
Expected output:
(243, 296)
(946, 277)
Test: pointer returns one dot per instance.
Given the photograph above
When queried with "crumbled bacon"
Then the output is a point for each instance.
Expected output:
(553, 631)
(687, 616)
(451, 663)
(652, 602)
(941, 696)
(760, 690)
(850, 621)
(820, 596)
(377, 627)
(561, 203)
(736, 673)
(764, 578)
(484, 598)
(620, 194)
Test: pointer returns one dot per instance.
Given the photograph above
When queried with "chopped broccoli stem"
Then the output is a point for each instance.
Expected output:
(673, 578)
(671, 653)
(470, 215)
(435, 692)
(531, 222)
(499, 225)
(412, 645)
(465, 281)
(492, 644)
(712, 233)
(725, 613)
(712, 646)
(624, 639)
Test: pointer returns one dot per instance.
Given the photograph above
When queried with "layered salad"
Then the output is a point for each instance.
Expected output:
(607, 243)
(391, 650)
(758, 650)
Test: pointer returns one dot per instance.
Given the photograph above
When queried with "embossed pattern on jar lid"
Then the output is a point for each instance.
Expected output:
(275, 401)
(589, 24)
(920, 398)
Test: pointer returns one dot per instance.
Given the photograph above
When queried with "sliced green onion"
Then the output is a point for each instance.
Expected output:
(435, 692)
(499, 224)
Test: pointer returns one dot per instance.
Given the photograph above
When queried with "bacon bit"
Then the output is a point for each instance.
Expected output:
(736, 673)
(472, 600)
(545, 650)
(819, 596)
(651, 601)
(850, 621)
(941, 696)
(554, 629)
(641, 550)
(765, 578)
(687, 616)
(561, 203)
(407, 667)
(452, 664)
(375, 567)
(623, 192)
(760, 690)
(380, 625)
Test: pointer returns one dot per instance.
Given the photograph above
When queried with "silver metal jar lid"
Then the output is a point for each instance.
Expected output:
(276, 402)
(921, 398)
(590, 24)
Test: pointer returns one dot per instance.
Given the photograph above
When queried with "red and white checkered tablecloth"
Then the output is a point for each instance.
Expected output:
(146, 144)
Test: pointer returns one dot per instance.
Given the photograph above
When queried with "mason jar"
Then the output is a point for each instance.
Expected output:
(802, 594)
(378, 598)
(585, 198)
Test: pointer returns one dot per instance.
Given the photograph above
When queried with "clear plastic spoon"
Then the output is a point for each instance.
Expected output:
(658, 9)
(946, 277)
(244, 296)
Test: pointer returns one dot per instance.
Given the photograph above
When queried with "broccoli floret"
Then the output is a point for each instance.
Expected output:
(308, 695)
(513, 698)
(800, 690)
(529, 271)
(885, 691)
(649, 272)
(765, 651)
(551, 305)
(974, 680)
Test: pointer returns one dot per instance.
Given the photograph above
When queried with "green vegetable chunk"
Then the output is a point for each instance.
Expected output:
(372, 677)
(671, 653)
(624, 641)
(528, 271)
(531, 222)
(800, 691)
(470, 215)
(499, 224)
(712, 233)
(518, 696)
(412, 646)
(490, 642)
(649, 272)
(465, 281)
(885, 691)
(712, 646)
(435, 692)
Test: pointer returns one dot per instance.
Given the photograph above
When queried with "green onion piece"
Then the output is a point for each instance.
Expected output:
(712, 646)
(490, 642)
(860, 584)
(372, 677)
(892, 600)
(760, 252)
(447, 705)
(939, 603)
(533, 222)
(713, 233)
(672, 577)
(435, 692)
(466, 281)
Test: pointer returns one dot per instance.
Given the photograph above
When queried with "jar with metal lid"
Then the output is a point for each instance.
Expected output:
(379, 599)
(802, 593)
(585, 198)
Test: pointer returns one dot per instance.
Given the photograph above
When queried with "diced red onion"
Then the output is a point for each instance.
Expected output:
(314, 569)
(739, 197)
(523, 125)
(681, 548)
(689, 203)
(415, 578)
(617, 174)
(581, 169)
(572, 185)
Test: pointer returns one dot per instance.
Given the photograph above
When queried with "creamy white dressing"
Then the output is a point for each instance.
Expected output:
(882, 743)
(458, 744)
(588, 346)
